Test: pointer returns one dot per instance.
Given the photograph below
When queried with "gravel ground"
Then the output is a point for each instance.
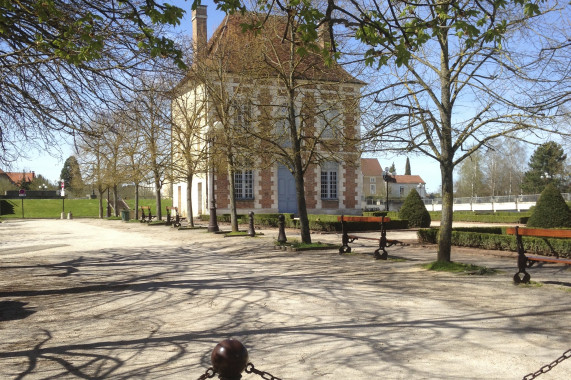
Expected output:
(96, 299)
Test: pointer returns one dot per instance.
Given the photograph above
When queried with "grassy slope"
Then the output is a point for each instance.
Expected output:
(80, 208)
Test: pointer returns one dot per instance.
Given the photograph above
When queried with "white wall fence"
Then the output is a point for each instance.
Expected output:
(497, 203)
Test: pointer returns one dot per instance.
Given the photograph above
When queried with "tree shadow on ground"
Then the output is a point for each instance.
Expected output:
(145, 313)
(12, 310)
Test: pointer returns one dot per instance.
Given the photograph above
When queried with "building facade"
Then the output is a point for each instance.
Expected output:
(241, 115)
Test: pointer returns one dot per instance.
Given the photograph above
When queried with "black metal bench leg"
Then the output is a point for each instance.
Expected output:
(382, 245)
(344, 239)
(521, 276)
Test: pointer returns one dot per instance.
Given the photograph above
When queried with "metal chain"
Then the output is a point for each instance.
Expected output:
(265, 375)
(209, 374)
(548, 367)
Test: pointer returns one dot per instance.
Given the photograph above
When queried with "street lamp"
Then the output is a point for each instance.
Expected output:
(420, 188)
(62, 193)
(213, 221)
(387, 176)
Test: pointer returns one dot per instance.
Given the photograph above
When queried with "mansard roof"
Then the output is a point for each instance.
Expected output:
(259, 53)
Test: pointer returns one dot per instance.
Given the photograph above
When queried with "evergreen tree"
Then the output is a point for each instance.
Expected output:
(551, 211)
(71, 175)
(393, 169)
(546, 166)
(407, 167)
(414, 210)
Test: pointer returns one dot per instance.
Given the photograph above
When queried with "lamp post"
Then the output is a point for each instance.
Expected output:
(420, 188)
(62, 193)
(213, 221)
(387, 176)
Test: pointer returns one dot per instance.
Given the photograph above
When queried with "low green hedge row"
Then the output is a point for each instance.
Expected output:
(317, 222)
(495, 238)
(491, 217)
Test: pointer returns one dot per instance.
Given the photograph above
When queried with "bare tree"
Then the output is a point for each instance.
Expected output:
(150, 114)
(189, 150)
(460, 90)
(92, 159)
(133, 157)
(62, 62)
(282, 106)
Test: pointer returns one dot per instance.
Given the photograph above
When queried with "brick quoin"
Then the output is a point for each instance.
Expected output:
(310, 181)
(350, 193)
(222, 191)
(266, 194)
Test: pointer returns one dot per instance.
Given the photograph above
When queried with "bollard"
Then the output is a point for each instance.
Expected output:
(281, 225)
(251, 230)
(69, 215)
(229, 359)
(62, 215)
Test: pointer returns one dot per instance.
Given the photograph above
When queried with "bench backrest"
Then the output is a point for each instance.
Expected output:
(374, 219)
(539, 232)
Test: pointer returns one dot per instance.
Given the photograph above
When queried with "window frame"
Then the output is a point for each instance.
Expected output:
(329, 178)
(244, 184)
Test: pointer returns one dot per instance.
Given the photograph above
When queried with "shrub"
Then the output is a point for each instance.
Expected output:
(551, 211)
(414, 210)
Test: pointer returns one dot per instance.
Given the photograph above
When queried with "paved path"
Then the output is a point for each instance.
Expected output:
(97, 299)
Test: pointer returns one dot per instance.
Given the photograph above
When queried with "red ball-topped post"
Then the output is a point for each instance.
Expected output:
(229, 359)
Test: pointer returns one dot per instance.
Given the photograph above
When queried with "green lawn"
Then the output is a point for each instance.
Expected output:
(80, 208)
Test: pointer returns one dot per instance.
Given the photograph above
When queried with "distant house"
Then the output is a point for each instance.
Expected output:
(18, 179)
(403, 184)
(374, 187)
(373, 183)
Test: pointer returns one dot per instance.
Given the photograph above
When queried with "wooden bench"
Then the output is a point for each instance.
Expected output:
(146, 217)
(177, 217)
(383, 241)
(524, 261)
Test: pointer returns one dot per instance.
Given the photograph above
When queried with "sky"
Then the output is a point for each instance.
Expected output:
(50, 164)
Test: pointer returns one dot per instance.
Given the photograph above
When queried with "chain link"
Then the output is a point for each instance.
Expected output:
(265, 375)
(548, 367)
(209, 374)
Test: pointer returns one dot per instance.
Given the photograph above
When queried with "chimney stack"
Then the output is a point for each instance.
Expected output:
(199, 31)
(323, 36)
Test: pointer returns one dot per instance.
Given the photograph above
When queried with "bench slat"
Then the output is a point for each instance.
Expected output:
(540, 232)
(549, 259)
(374, 219)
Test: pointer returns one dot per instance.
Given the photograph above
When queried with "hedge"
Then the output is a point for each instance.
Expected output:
(317, 222)
(489, 217)
(489, 238)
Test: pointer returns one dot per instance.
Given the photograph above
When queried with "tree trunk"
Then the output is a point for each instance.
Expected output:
(447, 154)
(100, 191)
(233, 212)
(445, 239)
(137, 201)
(189, 200)
(115, 196)
(302, 206)
(158, 200)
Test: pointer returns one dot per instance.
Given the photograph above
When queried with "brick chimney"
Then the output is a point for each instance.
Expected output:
(323, 36)
(199, 31)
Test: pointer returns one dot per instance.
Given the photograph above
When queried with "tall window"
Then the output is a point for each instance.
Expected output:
(244, 184)
(329, 180)
(373, 188)
(330, 120)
